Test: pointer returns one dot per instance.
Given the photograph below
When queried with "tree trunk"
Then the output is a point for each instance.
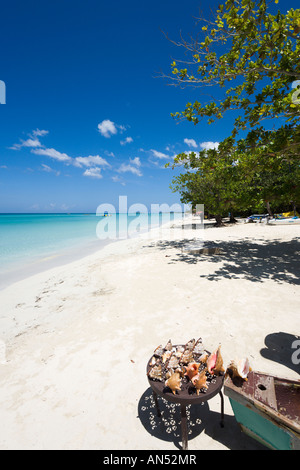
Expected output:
(294, 208)
(219, 222)
(269, 209)
(232, 220)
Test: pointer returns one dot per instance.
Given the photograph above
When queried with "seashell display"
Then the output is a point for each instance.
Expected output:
(189, 368)
(239, 368)
(215, 362)
(174, 382)
(192, 370)
(200, 381)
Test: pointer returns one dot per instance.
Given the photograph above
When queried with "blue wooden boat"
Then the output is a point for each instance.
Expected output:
(267, 408)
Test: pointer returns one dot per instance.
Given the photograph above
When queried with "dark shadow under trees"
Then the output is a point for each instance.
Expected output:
(254, 260)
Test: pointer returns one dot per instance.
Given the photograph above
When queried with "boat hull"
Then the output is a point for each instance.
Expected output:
(261, 408)
(264, 430)
(284, 221)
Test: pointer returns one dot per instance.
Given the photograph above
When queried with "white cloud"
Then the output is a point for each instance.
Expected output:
(121, 128)
(159, 154)
(93, 173)
(40, 133)
(117, 179)
(26, 143)
(109, 154)
(135, 161)
(91, 160)
(48, 169)
(190, 143)
(209, 145)
(125, 167)
(128, 140)
(33, 141)
(107, 128)
(52, 153)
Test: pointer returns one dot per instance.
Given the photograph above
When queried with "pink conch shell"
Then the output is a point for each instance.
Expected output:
(192, 370)
(215, 362)
(240, 368)
(199, 381)
(174, 382)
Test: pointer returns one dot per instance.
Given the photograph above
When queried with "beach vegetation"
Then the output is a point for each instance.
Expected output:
(249, 53)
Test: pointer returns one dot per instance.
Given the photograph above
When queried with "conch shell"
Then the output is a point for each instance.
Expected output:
(199, 381)
(169, 346)
(156, 372)
(192, 370)
(198, 348)
(174, 382)
(215, 363)
(187, 355)
(239, 368)
(173, 362)
(203, 358)
(158, 351)
(166, 356)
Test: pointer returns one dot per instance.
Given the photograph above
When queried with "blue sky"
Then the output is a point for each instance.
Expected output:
(86, 118)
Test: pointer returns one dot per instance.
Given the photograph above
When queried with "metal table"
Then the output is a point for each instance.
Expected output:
(187, 396)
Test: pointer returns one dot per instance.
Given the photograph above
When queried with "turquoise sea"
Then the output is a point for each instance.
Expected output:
(33, 242)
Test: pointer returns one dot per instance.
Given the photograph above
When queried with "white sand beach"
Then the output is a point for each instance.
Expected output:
(76, 339)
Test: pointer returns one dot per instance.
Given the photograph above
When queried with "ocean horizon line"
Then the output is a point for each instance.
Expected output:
(88, 213)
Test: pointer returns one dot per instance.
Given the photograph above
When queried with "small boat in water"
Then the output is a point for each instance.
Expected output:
(267, 408)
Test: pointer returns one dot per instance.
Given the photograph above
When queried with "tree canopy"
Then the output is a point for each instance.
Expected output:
(252, 56)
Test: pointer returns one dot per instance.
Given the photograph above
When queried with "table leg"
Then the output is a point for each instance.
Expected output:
(222, 409)
(156, 403)
(184, 430)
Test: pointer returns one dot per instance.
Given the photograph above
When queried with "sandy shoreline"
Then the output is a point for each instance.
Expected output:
(76, 339)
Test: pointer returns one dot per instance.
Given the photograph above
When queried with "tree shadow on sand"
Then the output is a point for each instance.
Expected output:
(200, 419)
(254, 260)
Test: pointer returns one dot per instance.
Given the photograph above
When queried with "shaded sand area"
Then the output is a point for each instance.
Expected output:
(75, 340)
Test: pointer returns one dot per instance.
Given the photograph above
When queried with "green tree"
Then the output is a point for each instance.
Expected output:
(252, 55)
(214, 177)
